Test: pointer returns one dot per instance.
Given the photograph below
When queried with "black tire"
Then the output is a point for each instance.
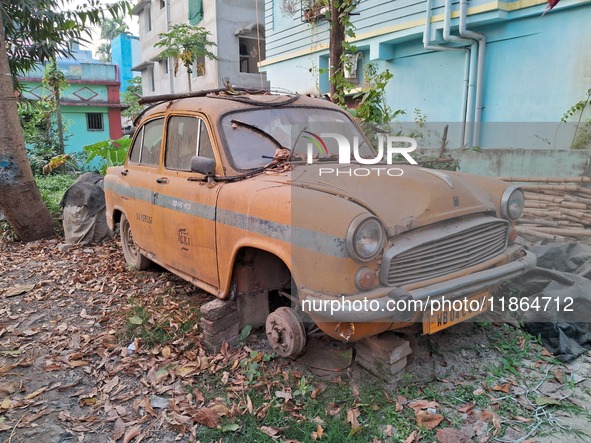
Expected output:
(134, 258)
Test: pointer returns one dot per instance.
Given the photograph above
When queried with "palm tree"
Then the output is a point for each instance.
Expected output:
(185, 43)
(110, 28)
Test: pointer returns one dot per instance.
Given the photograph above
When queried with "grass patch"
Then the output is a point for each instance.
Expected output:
(145, 321)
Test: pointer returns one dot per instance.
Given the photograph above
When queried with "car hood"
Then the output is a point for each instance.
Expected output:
(414, 197)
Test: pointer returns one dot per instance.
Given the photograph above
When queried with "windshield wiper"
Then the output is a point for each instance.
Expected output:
(259, 131)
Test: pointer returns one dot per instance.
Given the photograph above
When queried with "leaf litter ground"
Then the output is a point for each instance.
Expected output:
(91, 351)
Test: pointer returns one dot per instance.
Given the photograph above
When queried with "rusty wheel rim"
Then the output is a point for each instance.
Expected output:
(128, 242)
(285, 332)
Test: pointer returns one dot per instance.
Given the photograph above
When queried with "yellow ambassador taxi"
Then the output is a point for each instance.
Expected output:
(248, 196)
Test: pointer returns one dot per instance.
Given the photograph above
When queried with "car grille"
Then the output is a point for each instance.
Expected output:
(442, 249)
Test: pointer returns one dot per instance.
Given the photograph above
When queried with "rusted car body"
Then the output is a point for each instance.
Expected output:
(214, 191)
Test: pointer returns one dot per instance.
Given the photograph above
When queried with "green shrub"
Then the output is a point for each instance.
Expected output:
(108, 152)
(53, 188)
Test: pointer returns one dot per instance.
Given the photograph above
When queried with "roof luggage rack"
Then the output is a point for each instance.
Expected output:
(202, 93)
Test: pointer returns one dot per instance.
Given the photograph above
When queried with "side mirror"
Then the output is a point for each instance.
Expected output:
(203, 165)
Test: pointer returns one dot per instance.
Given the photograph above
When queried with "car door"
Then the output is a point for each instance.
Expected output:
(141, 175)
(186, 203)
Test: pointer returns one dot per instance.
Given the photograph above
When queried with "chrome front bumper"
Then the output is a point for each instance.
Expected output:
(345, 308)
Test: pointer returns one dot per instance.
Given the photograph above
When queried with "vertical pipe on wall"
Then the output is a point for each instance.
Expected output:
(464, 32)
(468, 72)
(170, 60)
(427, 34)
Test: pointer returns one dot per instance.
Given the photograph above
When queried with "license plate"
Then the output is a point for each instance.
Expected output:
(446, 316)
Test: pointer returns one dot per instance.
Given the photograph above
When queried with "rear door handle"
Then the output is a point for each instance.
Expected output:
(162, 180)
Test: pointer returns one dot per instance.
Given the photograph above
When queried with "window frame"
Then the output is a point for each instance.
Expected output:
(99, 117)
(202, 124)
(141, 132)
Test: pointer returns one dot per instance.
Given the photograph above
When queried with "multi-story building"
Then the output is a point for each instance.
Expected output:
(125, 53)
(237, 29)
(90, 105)
(498, 72)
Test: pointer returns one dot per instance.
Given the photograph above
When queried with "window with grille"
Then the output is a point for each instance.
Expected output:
(94, 121)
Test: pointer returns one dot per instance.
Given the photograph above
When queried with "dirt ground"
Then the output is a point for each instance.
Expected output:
(67, 375)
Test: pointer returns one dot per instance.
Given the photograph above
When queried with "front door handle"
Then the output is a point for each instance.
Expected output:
(162, 180)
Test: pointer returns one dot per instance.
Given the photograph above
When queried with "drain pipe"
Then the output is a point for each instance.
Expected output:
(470, 54)
(480, 68)
(427, 34)
(170, 60)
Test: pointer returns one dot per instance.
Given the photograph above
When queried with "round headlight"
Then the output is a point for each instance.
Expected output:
(365, 238)
(512, 203)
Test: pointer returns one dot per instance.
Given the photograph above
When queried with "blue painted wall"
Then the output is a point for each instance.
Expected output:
(536, 67)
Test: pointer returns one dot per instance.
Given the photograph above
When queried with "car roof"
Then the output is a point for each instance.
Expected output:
(217, 105)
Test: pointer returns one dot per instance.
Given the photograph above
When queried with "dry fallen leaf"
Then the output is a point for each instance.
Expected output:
(352, 414)
(333, 409)
(417, 405)
(111, 384)
(413, 437)
(283, 394)
(270, 431)
(450, 435)
(388, 431)
(17, 290)
(7, 388)
(503, 388)
(77, 363)
(118, 429)
(166, 351)
(131, 434)
(208, 417)
(36, 393)
(248, 404)
(6, 403)
(467, 407)
(428, 420)
(318, 433)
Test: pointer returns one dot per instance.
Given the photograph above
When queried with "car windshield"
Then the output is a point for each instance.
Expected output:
(251, 137)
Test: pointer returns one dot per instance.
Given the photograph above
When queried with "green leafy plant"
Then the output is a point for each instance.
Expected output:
(109, 152)
(40, 132)
(582, 135)
(130, 98)
(185, 43)
(303, 389)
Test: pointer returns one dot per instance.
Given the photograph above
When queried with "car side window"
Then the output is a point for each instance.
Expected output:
(152, 142)
(205, 147)
(186, 137)
(136, 148)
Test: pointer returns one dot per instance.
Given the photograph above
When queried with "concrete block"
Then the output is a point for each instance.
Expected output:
(213, 342)
(221, 324)
(217, 308)
(387, 347)
(215, 346)
(253, 309)
(387, 372)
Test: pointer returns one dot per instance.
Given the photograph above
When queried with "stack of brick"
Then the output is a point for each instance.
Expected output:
(384, 355)
(220, 323)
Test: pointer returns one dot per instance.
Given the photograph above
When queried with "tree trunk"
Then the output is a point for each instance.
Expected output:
(59, 120)
(337, 35)
(189, 78)
(20, 200)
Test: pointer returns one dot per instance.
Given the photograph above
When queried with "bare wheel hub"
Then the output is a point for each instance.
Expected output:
(285, 332)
